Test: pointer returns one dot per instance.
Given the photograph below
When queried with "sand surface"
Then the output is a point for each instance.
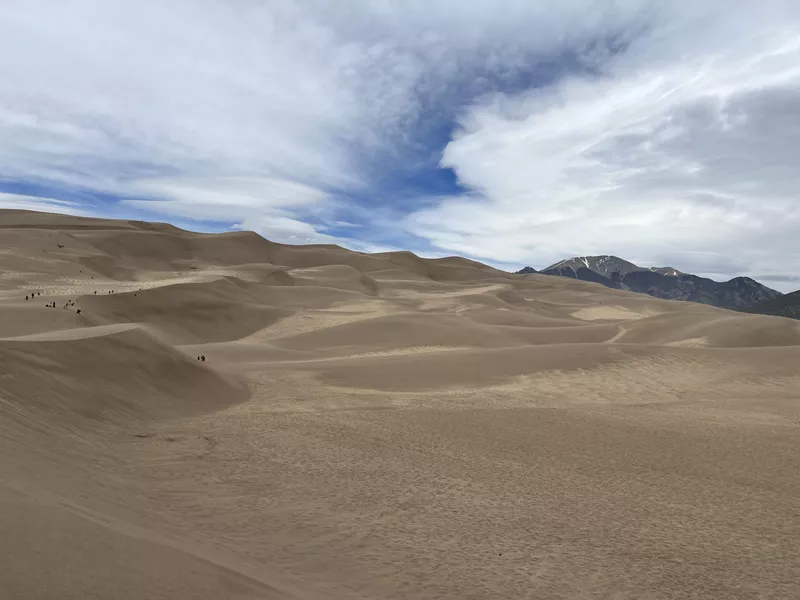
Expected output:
(377, 426)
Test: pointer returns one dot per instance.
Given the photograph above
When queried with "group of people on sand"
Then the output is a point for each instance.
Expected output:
(67, 305)
(202, 358)
(52, 304)
(70, 302)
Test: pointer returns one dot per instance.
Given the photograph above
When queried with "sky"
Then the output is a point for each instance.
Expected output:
(511, 132)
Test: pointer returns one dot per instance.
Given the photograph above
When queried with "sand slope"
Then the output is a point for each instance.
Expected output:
(377, 426)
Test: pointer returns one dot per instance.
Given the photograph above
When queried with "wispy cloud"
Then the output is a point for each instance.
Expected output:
(38, 204)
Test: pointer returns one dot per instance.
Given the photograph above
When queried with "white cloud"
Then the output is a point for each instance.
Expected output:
(35, 203)
(100, 94)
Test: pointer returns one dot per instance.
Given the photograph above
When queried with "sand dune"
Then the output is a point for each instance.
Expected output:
(48, 372)
(337, 277)
(722, 330)
(377, 426)
(220, 310)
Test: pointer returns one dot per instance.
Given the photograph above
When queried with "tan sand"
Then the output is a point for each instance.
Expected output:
(377, 426)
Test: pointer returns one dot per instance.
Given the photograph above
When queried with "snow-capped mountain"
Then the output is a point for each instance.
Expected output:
(602, 265)
(661, 282)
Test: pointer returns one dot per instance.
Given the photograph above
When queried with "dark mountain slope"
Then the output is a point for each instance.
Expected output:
(787, 305)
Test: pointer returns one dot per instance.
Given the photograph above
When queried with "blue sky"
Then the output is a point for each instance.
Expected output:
(515, 133)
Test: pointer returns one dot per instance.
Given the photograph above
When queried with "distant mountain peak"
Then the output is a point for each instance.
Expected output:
(661, 282)
(605, 265)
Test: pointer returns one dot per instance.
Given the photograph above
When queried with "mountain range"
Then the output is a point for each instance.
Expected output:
(666, 282)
